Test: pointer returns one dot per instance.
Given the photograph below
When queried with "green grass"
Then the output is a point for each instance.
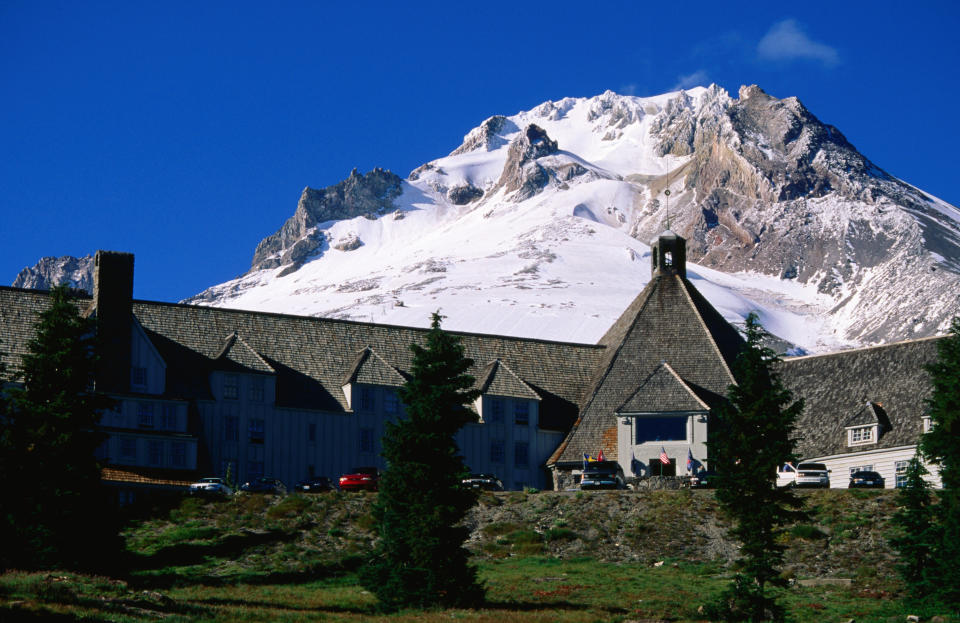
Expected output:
(295, 558)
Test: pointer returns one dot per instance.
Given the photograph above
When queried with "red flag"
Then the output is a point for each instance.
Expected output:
(600, 456)
(663, 456)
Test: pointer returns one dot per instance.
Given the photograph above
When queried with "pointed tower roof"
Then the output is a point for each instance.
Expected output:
(497, 378)
(670, 322)
(237, 355)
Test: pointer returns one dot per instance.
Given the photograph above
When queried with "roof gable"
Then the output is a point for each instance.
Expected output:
(237, 355)
(371, 369)
(498, 379)
(663, 392)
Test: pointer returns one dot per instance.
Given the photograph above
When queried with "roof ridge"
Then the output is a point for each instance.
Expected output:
(863, 348)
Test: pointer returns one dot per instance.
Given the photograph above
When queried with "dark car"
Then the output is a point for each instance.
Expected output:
(486, 482)
(360, 479)
(866, 480)
(706, 479)
(317, 484)
(264, 485)
(602, 475)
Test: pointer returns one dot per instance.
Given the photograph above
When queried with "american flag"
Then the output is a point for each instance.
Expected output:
(689, 460)
(663, 456)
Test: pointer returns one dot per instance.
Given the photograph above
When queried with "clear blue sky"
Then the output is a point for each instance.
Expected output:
(184, 132)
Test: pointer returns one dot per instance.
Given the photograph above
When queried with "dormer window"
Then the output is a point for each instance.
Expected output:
(138, 377)
(859, 435)
(927, 424)
(231, 386)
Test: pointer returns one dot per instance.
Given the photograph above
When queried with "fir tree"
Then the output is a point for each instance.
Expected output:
(53, 501)
(419, 560)
(753, 436)
(941, 446)
(916, 534)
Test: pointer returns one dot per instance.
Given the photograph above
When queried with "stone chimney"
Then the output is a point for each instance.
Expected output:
(668, 255)
(113, 307)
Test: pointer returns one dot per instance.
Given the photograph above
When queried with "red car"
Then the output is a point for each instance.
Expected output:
(360, 479)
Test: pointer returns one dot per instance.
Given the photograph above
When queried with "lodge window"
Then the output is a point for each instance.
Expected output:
(231, 428)
(168, 417)
(496, 410)
(128, 448)
(658, 468)
(138, 376)
(178, 454)
(665, 428)
(927, 423)
(231, 386)
(900, 468)
(154, 452)
(145, 414)
(497, 451)
(366, 399)
(521, 412)
(391, 402)
(255, 393)
(257, 434)
(366, 440)
(311, 432)
(861, 468)
(859, 435)
(521, 454)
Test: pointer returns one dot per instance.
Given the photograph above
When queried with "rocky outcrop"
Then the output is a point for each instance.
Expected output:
(488, 136)
(522, 175)
(301, 237)
(463, 194)
(75, 272)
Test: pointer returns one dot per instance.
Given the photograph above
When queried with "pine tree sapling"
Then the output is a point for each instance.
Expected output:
(916, 534)
(753, 435)
(941, 446)
(53, 512)
(419, 560)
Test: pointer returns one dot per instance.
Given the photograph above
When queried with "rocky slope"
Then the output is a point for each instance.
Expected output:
(54, 271)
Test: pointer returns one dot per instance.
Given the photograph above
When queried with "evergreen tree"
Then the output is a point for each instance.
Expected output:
(753, 436)
(53, 499)
(941, 446)
(916, 533)
(419, 560)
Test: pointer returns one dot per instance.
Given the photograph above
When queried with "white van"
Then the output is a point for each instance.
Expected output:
(803, 475)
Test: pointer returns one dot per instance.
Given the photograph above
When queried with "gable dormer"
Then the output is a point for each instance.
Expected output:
(867, 425)
(369, 368)
(498, 381)
(668, 255)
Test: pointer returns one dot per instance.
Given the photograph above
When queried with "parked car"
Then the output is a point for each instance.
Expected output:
(803, 475)
(704, 479)
(602, 475)
(866, 480)
(486, 482)
(360, 479)
(264, 485)
(210, 486)
(317, 484)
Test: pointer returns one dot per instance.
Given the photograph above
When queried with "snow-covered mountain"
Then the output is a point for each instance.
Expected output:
(75, 272)
(538, 224)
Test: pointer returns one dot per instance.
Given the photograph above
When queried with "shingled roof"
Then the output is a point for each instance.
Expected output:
(663, 392)
(370, 368)
(670, 322)
(498, 379)
(837, 388)
(237, 355)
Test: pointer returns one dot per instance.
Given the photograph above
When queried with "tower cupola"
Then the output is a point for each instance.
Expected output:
(668, 253)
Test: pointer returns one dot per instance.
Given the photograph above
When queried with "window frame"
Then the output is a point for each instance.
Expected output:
(257, 430)
(521, 412)
(231, 386)
(862, 435)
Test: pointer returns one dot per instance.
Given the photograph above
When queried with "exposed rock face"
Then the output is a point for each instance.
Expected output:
(300, 237)
(460, 195)
(522, 175)
(54, 271)
(488, 136)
